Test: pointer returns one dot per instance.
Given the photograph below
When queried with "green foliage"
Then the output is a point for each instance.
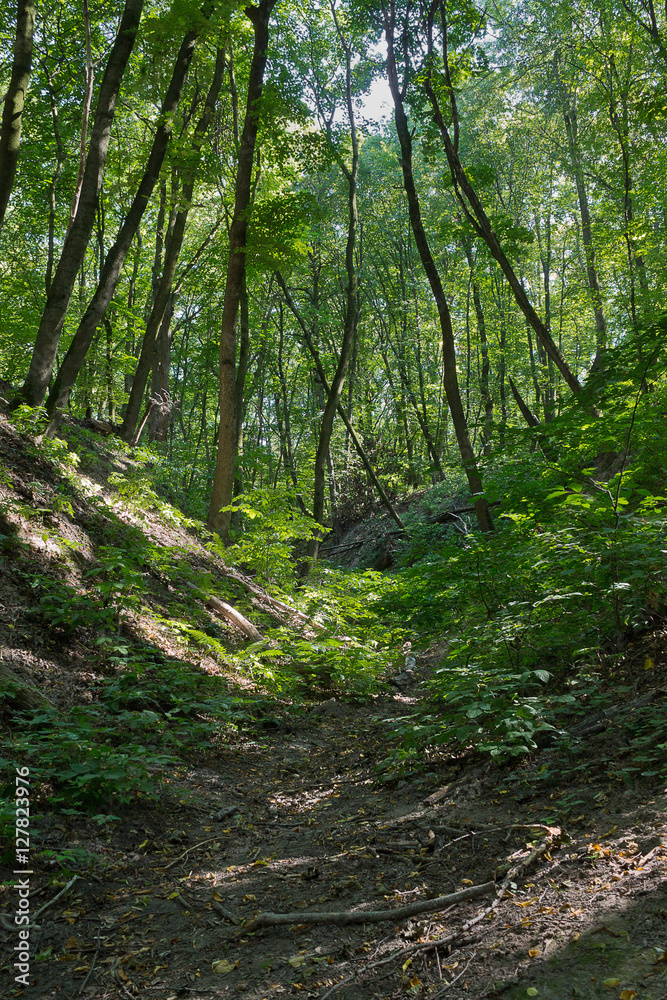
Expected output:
(32, 421)
(149, 714)
(80, 762)
(64, 608)
(136, 488)
(272, 524)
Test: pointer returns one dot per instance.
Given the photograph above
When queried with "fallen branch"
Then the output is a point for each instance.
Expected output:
(370, 916)
(553, 835)
(94, 962)
(7, 919)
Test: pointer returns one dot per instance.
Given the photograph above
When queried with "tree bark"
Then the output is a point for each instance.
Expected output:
(450, 378)
(12, 112)
(76, 241)
(115, 258)
(223, 481)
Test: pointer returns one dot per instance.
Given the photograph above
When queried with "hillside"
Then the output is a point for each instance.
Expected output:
(185, 778)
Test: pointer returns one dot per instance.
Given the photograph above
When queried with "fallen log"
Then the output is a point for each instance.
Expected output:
(228, 612)
(273, 602)
(598, 721)
(235, 617)
(370, 916)
(451, 515)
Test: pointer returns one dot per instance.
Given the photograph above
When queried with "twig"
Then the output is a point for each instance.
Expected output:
(225, 913)
(124, 988)
(90, 970)
(455, 979)
(55, 898)
(194, 847)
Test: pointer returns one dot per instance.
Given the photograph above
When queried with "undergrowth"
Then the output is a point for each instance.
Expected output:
(575, 566)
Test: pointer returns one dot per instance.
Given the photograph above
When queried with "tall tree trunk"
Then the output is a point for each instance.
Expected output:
(474, 211)
(12, 111)
(115, 259)
(450, 378)
(130, 342)
(484, 388)
(173, 249)
(76, 241)
(158, 427)
(223, 480)
(55, 178)
(545, 249)
(241, 375)
(87, 101)
(592, 276)
(351, 316)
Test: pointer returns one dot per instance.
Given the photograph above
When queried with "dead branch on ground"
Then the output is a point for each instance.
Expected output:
(370, 916)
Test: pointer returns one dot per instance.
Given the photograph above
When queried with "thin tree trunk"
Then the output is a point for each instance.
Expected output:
(474, 212)
(87, 101)
(173, 249)
(60, 159)
(241, 375)
(450, 378)
(351, 317)
(111, 396)
(115, 259)
(324, 384)
(545, 263)
(223, 481)
(592, 276)
(76, 241)
(130, 342)
(484, 390)
(12, 111)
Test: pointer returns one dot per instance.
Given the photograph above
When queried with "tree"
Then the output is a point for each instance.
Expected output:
(223, 481)
(116, 256)
(74, 248)
(450, 377)
(12, 110)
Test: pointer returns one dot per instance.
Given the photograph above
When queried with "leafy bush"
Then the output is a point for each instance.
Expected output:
(77, 763)
(272, 524)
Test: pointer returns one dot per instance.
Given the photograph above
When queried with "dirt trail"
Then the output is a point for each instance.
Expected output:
(293, 819)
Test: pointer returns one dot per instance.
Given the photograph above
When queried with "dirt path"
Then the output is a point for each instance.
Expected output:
(294, 820)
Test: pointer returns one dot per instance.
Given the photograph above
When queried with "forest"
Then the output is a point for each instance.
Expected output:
(333, 515)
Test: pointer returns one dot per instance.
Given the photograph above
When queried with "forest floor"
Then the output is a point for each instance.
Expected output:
(293, 815)
(295, 821)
